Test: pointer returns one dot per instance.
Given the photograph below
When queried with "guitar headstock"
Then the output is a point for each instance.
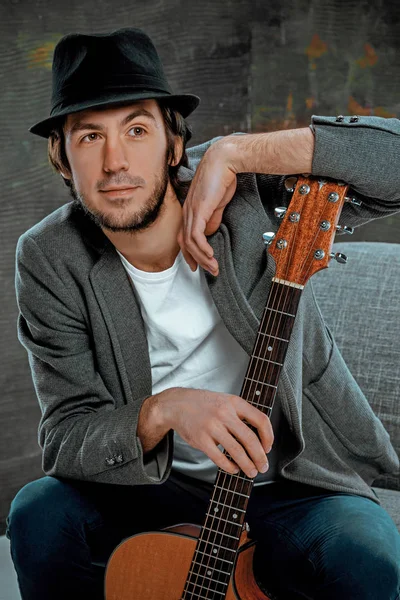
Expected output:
(303, 243)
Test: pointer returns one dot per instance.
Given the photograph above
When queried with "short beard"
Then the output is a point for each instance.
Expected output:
(139, 221)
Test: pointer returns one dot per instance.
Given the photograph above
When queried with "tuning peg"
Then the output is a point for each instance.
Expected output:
(353, 201)
(280, 211)
(339, 257)
(268, 236)
(290, 184)
(345, 229)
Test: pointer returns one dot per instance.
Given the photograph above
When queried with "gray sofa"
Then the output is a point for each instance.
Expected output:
(360, 302)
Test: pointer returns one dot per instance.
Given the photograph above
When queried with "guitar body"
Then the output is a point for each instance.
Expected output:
(154, 566)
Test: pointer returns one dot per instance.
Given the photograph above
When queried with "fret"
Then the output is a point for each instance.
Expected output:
(281, 312)
(212, 568)
(227, 505)
(207, 542)
(207, 578)
(232, 491)
(197, 595)
(200, 586)
(267, 360)
(214, 516)
(233, 537)
(215, 556)
(263, 406)
(240, 477)
(275, 337)
(261, 382)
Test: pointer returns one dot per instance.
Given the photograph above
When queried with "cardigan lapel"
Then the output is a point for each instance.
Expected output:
(120, 309)
(237, 314)
(123, 317)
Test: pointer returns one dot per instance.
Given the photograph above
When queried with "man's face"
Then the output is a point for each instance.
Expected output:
(118, 160)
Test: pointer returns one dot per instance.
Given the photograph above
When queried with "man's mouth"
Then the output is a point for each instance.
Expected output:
(117, 192)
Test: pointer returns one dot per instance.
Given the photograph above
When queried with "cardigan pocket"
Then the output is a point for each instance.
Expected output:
(342, 405)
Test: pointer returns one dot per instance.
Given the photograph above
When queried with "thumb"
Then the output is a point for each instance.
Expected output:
(214, 221)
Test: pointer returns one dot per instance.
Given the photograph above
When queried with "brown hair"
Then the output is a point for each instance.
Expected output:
(175, 125)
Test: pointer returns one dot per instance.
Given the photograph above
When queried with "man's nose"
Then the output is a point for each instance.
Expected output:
(115, 157)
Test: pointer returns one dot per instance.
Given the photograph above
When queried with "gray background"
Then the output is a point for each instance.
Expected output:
(257, 66)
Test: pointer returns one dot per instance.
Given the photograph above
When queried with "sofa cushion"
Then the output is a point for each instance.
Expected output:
(360, 304)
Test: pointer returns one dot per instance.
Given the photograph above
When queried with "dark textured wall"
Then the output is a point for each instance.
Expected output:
(257, 66)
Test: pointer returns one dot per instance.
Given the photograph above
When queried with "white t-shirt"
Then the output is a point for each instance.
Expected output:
(190, 346)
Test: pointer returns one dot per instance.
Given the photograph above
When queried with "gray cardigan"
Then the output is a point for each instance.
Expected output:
(82, 328)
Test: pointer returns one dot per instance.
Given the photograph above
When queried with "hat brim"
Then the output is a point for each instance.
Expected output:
(184, 103)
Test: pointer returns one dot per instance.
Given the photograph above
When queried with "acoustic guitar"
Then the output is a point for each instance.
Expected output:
(215, 561)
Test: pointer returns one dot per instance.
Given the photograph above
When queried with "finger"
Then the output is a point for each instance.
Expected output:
(239, 455)
(189, 248)
(204, 258)
(203, 225)
(220, 459)
(199, 248)
(197, 235)
(186, 255)
(259, 420)
(250, 442)
(215, 221)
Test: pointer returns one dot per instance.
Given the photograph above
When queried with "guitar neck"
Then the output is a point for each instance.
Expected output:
(219, 539)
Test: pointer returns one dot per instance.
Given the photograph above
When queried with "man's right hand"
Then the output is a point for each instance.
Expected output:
(205, 419)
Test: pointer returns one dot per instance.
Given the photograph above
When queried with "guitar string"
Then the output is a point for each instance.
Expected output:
(219, 498)
(260, 370)
(263, 341)
(279, 297)
(233, 478)
(258, 363)
(212, 518)
(288, 289)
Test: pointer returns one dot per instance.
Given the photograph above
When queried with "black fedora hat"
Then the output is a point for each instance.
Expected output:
(91, 71)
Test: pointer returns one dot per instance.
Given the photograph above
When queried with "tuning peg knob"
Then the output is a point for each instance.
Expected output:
(339, 257)
(290, 184)
(345, 229)
(280, 211)
(268, 236)
(353, 201)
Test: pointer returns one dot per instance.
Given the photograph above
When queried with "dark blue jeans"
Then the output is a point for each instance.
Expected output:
(312, 543)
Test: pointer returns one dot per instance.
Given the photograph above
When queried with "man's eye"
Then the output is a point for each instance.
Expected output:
(135, 128)
(89, 137)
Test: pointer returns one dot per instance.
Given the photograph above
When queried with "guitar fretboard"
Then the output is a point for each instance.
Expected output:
(218, 542)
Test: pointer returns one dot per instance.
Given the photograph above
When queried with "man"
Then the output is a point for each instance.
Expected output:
(138, 357)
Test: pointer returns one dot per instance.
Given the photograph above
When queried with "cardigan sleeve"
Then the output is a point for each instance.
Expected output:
(364, 152)
(83, 432)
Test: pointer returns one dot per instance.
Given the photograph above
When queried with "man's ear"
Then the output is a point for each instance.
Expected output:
(178, 150)
(65, 174)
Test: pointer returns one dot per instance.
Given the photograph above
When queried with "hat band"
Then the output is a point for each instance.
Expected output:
(114, 82)
(111, 94)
